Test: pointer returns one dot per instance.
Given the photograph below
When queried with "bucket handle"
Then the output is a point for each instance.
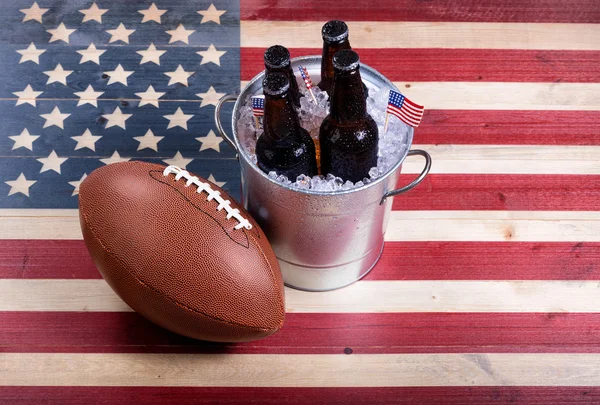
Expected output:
(415, 181)
(228, 98)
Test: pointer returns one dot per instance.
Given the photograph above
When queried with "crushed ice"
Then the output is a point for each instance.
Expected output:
(392, 144)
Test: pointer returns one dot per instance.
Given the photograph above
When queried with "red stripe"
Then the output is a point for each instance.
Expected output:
(419, 261)
(404, 110)
(413, 106)
(509, 127)
(128, 332)
(466, 65)
(578, 11)
(488, 261)
(413, 120)
(500, 192)
(301, 396)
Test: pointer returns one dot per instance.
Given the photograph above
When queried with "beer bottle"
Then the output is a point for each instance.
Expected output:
(277, 59)
(348, 135)
(284, 147)
(335, 38)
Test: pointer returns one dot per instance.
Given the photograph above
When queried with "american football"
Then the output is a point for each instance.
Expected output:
(181, 252)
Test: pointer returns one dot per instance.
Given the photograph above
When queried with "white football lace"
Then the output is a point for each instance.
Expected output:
(212, 194)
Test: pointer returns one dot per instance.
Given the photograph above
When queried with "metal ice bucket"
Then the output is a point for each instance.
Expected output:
(323, 240)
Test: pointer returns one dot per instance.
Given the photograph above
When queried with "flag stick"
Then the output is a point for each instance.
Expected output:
(313, 96)
(256, 122)
(385, 128)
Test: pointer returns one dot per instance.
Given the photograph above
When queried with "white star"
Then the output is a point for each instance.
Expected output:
(86, 140)
(148, 141)
(33, 13)
(57, 75)
(27, 96)
(115, 158)
(24, 140)
(152, 13)
(119, 75)
(210, 141)
(61, 33)
(210, 97)
(212, 179)
(55, 118)
(20, 185)
(120, 34)
(52, 162)
(179, 119)
(179, 76)
(117, 118)
(151, 55)
(93, 13)
(31, 53)
(149, 97)
(211, 55)
(180, 34)
(77, 183)
(91, 54)
(211, 14)
(89, 96)
(178, 160)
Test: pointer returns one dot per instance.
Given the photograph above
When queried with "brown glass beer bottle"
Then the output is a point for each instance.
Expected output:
(335, 38)
(284, 147)
(348, 135)
(277, 60)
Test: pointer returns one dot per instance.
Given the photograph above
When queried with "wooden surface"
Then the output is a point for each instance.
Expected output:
(488, 290)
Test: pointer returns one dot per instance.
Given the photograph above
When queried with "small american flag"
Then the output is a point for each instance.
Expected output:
(403, 108)
(307, 81)
(305, 77)
(258, 106)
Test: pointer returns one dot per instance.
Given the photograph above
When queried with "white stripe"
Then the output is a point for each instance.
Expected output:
(507, 159)
(508, 226)
(388, 296)
(501, 95)
(411, 120)
(300, 370)
(386, 34)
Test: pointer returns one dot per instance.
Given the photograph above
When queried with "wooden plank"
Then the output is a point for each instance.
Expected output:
(580, 11)
(371, 370)
(408, 34)
(459, 65)
(513, 127)
(326, 333)
(503, 96)
(404, 226)
(69, 259)
(361, 297)
(501, 192)
(301, 396)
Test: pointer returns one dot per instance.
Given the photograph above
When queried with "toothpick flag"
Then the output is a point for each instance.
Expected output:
(307, 81)
(258, 108)
(401, 107)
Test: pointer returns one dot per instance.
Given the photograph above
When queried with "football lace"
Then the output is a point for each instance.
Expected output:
(212, 194)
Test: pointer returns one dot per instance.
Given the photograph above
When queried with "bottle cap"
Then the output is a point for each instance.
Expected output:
(277, 56)
(275, 84)
(334, 31)
(345, 60)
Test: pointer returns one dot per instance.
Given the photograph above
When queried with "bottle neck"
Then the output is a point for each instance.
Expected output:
(280, 117)
(327, 71)
(348, 101)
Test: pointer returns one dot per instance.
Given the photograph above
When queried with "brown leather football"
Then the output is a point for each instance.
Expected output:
(178, 250)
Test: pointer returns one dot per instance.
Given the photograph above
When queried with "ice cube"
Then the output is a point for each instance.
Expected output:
(374, 172)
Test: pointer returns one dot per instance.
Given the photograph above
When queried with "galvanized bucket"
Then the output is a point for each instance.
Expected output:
(323, 240)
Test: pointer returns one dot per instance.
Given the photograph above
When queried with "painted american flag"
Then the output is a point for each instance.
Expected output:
(407, 111)
(487, 290)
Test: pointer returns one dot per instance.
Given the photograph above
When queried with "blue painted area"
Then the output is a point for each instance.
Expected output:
(52, 190)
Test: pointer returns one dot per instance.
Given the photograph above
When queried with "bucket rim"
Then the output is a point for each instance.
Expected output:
(303, 60)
